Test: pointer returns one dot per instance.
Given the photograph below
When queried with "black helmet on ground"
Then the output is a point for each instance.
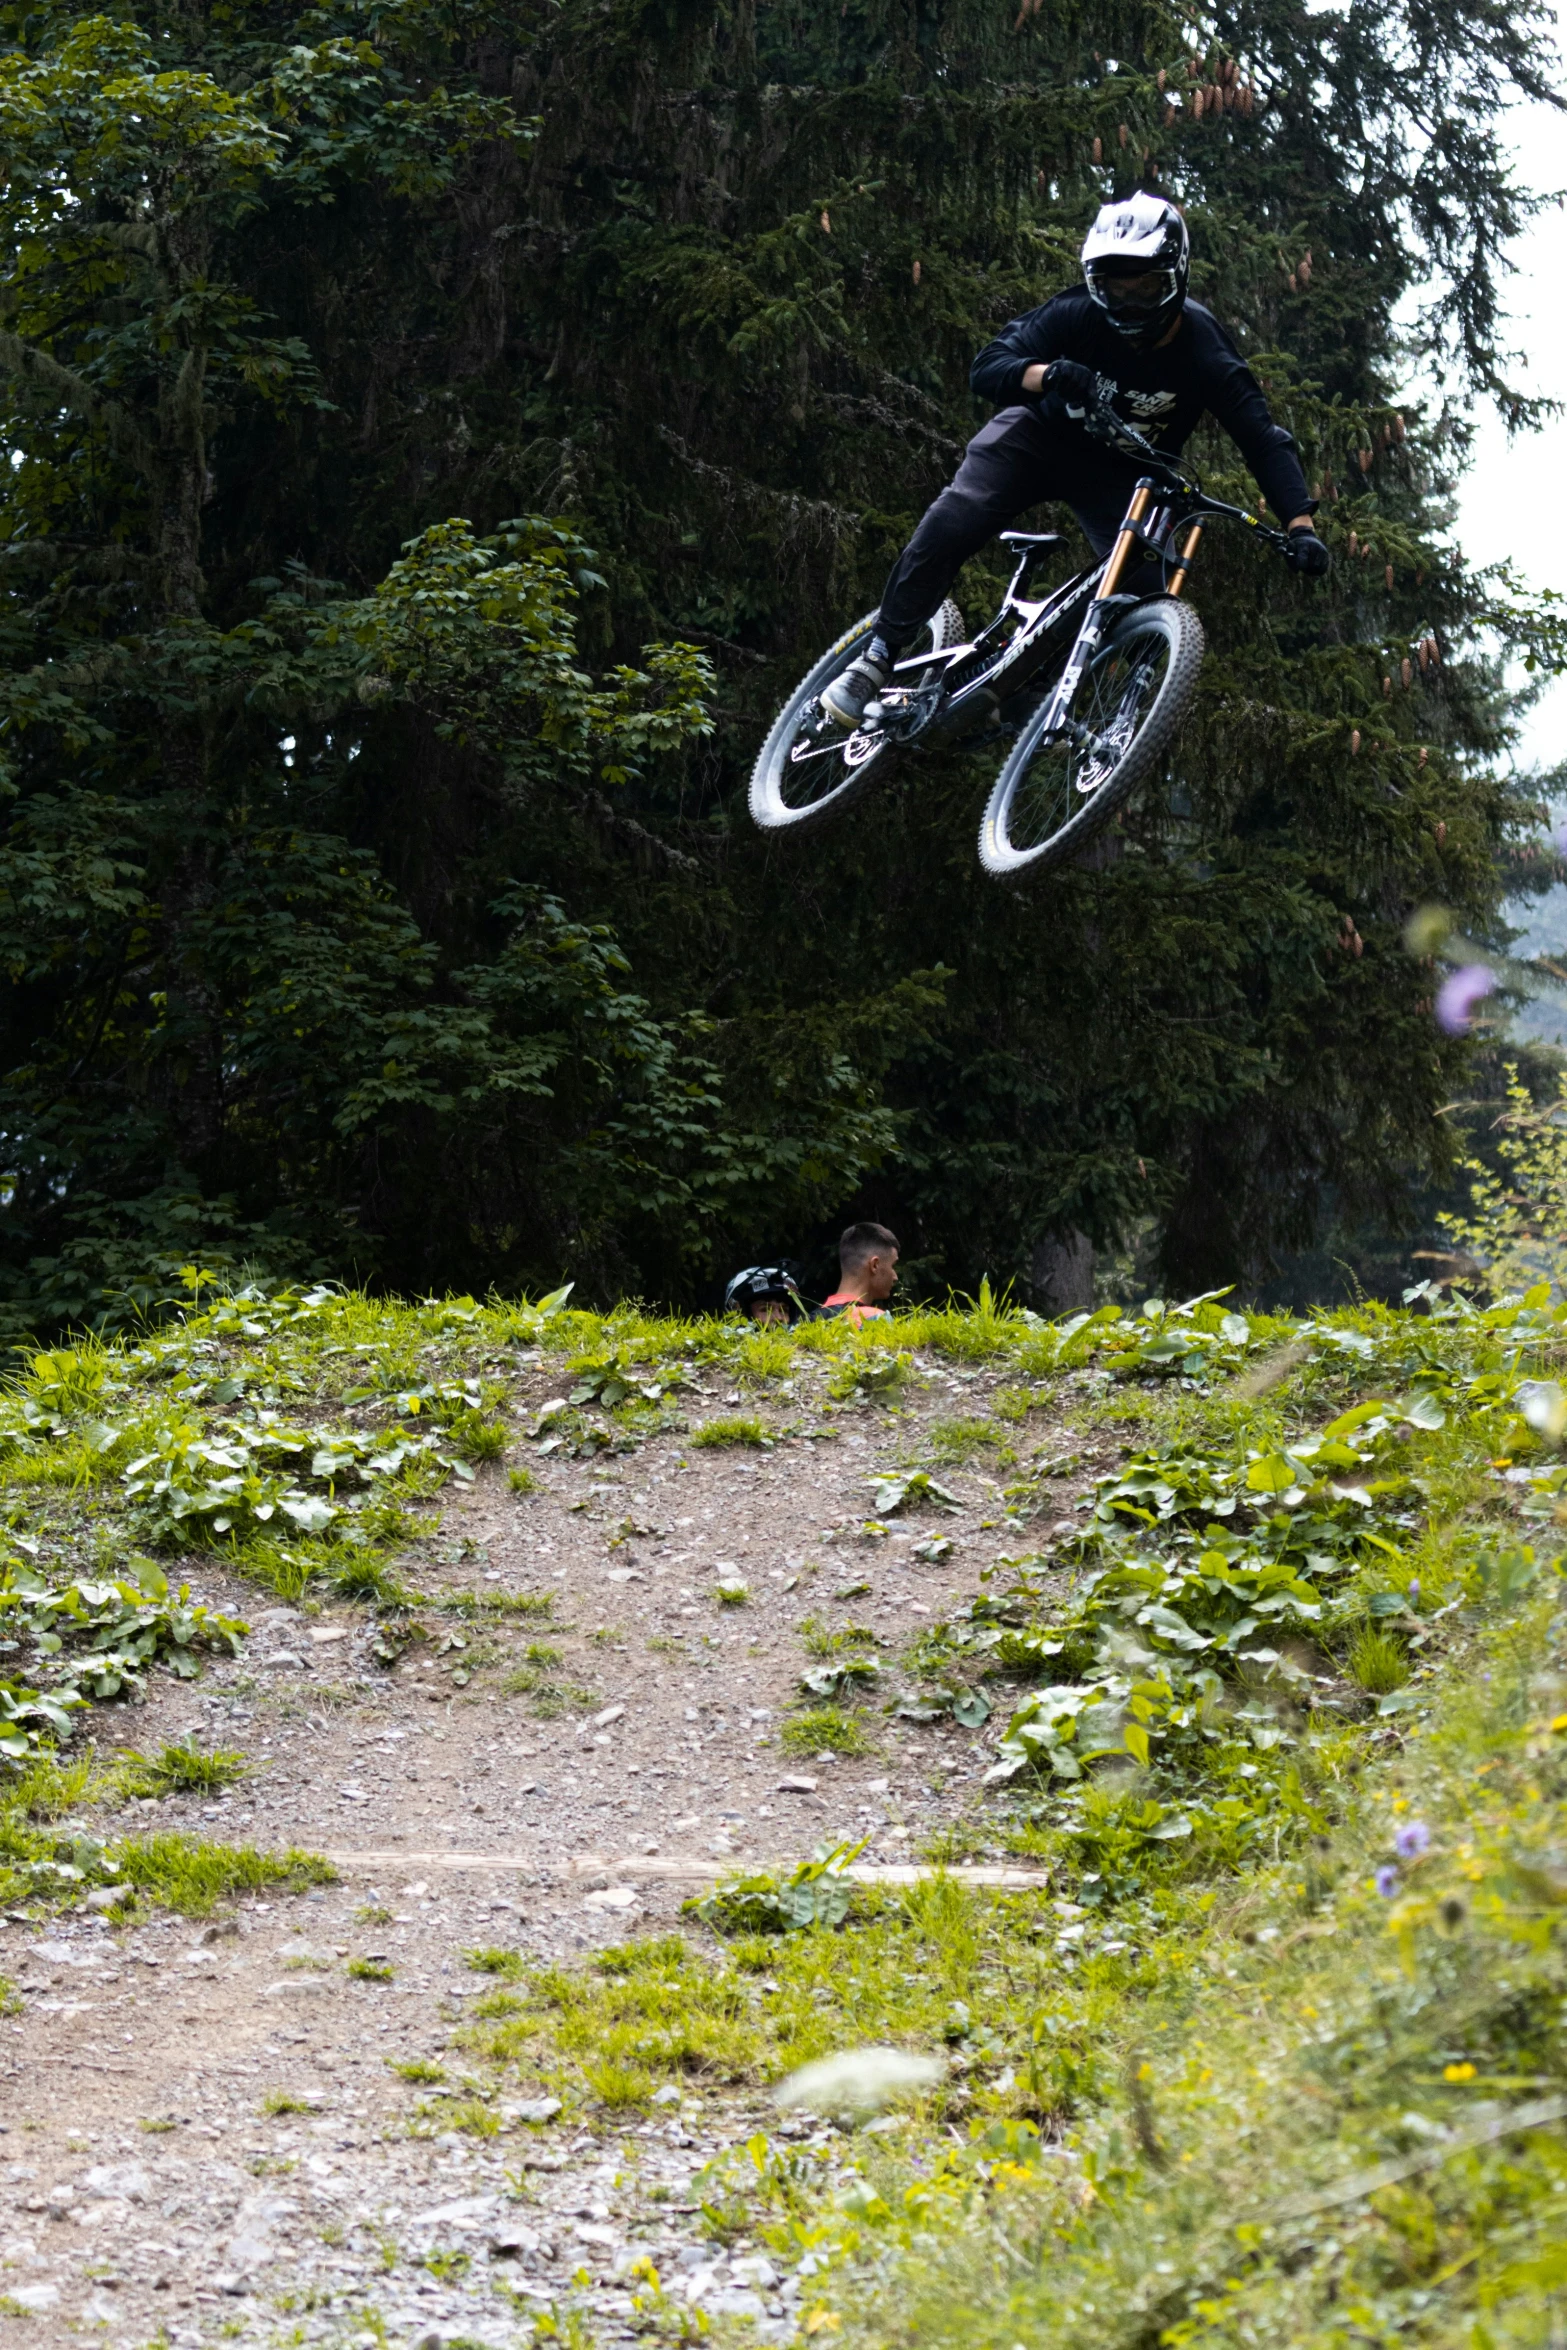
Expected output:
(766, 1293)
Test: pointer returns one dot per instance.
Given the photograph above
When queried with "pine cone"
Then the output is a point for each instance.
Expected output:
(1099, 151)
(916, 273)
(1406, 672)
(1387, 578)
(1354, 740)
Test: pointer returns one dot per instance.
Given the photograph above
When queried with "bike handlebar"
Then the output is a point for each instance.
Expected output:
(1102, 422)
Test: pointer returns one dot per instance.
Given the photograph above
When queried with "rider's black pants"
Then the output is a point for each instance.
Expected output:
(1015, 461)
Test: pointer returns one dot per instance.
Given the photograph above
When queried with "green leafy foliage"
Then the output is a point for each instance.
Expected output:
(95, 1637)
(899, 1492)
(817, 1893)
(1512, 1232)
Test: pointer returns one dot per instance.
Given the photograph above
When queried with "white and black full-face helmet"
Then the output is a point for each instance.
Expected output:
(1136, 260)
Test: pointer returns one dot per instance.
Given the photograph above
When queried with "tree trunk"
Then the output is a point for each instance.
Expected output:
(1063, 1273)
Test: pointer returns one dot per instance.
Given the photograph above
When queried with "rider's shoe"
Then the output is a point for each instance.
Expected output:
(849, 696)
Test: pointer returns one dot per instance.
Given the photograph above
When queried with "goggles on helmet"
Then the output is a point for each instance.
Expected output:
(1127, 296)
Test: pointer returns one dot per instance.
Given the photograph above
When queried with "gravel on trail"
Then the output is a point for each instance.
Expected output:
(146, 2189)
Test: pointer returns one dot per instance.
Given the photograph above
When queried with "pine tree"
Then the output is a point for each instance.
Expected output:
(380, 895)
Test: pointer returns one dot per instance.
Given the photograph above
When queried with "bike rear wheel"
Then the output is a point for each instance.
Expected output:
(809, 770)
(1052, 797)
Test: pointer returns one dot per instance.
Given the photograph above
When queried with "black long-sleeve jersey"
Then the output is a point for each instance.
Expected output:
(1162, 393)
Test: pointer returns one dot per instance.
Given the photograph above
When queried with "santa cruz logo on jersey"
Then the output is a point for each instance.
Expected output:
(1146, 407)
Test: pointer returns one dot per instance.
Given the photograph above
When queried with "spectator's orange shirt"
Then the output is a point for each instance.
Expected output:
(855, 1310)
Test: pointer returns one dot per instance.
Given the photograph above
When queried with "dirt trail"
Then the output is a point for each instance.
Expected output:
(142, 2183)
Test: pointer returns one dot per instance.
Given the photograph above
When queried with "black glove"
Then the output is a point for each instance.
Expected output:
(1308, 554)
(1071, 386)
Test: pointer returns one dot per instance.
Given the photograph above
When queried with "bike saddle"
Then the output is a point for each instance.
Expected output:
(1030, 538)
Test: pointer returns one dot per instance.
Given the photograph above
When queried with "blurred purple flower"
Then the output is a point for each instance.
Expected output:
(1412, 1839)
(1458, 996)
(1414, 1590)
(1387, 1882)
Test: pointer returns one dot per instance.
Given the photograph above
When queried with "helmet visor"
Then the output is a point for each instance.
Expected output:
(1126, 294)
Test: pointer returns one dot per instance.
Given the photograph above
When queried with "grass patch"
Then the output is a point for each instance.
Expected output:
(420, 2071)
(369, 1970)
(488, 1603)
(472, 2116)
(191, 1876)
(959, 1439)
(620, 2087)
(1379, 1661)
(279, 2102)
(493, 1961)
(826, 1729)
(738, 1429)
(549, 1699)
(182, 1769)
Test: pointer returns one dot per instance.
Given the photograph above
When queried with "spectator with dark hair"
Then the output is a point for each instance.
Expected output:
(867, 1274)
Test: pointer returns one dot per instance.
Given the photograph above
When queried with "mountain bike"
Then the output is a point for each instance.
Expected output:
(1091, 681)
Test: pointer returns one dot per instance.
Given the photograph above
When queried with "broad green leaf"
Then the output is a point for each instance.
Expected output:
(1272, 1474)
(1423, 1411)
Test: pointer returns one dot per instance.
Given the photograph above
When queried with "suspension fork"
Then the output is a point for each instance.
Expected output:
(1178, 576)
(1098, 618)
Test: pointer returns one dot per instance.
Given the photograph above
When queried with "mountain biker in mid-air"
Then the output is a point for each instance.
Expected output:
(1132, 338)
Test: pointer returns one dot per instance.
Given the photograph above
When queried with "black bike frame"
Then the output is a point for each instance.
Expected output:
(1166, 506)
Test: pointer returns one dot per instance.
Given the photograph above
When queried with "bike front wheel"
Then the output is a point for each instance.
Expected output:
(809, 769)
(1054, 795)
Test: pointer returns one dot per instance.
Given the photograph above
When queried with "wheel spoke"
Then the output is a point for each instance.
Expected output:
(1110, 705)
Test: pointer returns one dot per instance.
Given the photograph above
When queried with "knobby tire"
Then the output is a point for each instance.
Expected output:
(1037, 780)
(772, 776)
